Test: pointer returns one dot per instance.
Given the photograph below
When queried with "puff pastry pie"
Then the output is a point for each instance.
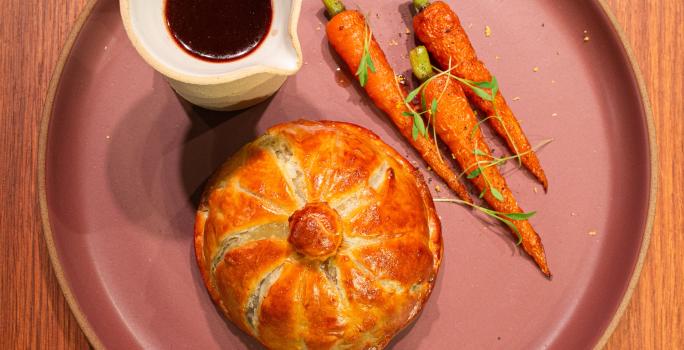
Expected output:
(317, 235)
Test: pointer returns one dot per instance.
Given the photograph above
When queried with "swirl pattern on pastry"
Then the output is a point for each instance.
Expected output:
(317, 235)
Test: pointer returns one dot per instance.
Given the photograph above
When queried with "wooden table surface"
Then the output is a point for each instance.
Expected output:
(33, 312)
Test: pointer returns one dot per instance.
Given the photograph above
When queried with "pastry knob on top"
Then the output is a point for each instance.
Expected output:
(315, 231)
(317, 235)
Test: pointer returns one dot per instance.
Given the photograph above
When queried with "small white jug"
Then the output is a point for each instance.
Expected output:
(217, 85)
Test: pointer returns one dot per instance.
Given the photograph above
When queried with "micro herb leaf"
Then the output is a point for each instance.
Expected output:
(473, 174)
(482, 194)
(366, 62)
(414, 131)
(433, 108)
(495, 88)
(423, 105)
(418, 122)
(482, 84)
(520, 216)
(479, 152)
(512, 227)
(371, 65)
(412, 95)
(481, 93)
(504, 218)
(495, 192)
(362, 72)
(407, 114)
(475, 129)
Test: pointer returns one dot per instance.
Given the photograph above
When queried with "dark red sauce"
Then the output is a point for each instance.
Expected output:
(219, 30)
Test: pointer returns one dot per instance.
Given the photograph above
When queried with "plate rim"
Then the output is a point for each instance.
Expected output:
(81, 318)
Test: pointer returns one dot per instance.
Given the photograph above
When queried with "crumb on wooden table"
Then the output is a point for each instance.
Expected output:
(488, 31)
(516, 98)
(535, 69)
(592, 233)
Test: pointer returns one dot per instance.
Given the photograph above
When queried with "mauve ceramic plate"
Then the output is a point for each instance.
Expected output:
(123, 160)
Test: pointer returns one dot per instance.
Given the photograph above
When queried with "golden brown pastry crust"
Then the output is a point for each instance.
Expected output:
(318, 235)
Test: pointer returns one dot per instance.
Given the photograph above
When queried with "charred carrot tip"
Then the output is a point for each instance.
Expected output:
(453, 48)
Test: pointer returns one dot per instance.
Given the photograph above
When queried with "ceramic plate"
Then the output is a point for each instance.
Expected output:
(123, 161)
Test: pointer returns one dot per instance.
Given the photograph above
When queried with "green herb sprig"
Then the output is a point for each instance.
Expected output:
(419, 127)
(477, 87)
(494, 161)
(481, 165)
(480, 89)
(366, 62)
(506, 218)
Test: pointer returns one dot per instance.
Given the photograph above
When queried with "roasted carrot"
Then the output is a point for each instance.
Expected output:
(347, 33)
(439, 29)
(457, 126)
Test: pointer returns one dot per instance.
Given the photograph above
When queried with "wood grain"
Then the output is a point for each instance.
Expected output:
(655, 318)
(34, 314)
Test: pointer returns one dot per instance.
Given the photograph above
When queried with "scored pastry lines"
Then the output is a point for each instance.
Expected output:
(296, 182)
(352, 243)
(347, 203)
(300, 314)
(359, 197)
(387, 284)
(256, 298)
(289, 167)
(265, 202)
(379, 176)
(273, 230)
(330, 175)
(331, 272)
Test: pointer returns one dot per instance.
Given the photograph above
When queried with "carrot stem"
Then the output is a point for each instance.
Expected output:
(420, 5)
(420, 63)
(333, 7)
